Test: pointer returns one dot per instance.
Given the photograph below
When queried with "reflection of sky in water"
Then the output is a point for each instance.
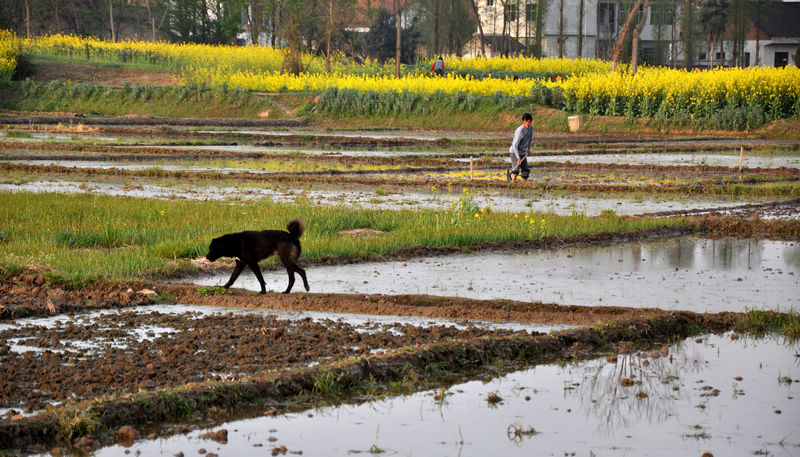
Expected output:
(695, 159)
(697, 275)
(578, 408)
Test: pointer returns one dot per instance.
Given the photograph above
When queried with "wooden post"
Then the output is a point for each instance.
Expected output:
(470, 167)
(741, 157)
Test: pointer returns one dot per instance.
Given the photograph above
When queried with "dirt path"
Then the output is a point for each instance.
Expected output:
(103, 75)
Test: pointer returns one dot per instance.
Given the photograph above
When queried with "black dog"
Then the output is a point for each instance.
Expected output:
(251, 247)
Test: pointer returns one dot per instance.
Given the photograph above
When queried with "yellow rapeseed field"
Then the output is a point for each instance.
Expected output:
(8, 55)
(590, 86)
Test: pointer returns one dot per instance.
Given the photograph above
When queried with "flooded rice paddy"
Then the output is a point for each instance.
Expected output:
(669, 159)
(700, 275)
(720, 394)
(394, 200)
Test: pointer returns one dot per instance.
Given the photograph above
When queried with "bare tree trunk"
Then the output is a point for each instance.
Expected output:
(436, 38)
(28, 18)
(503, 34)
(397, 46)
(673, 51)
(758, 31)
(636, 33)
(330, 31)
(517, 17)
(255, 21)
(111, 16)
(580, 28)
(560, 29)
(623, 33)
(480, 26)
(152, 19)
(711, 46)
(528, 33)
(58, 17)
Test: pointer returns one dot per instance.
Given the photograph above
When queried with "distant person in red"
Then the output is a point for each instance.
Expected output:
(438, 67)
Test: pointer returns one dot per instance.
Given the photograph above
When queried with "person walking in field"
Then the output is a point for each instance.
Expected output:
(438, 67)
(520, 148)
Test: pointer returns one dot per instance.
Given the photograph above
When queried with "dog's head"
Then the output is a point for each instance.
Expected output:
(215, 250)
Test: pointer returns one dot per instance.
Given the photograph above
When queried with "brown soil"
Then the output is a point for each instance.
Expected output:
(104, 75)
(216, 364)
(222, 346)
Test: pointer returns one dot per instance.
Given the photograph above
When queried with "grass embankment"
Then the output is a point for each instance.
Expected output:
(132, 99)
(87, 237)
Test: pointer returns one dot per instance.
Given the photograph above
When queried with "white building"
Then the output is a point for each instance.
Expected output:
(594, 26)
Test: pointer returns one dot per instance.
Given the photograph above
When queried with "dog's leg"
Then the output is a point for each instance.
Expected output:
(257, 270)
(236, 272)
(302, 275)
(291, 280)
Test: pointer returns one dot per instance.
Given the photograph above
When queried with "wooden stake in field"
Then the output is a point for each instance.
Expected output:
(741, 158)
(470, 167)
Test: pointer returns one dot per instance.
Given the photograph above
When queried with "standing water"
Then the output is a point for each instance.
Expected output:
(700, 275)
(715, 394)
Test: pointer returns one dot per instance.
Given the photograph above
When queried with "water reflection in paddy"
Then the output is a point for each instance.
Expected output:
(699, 275)
(714, 394)
(694, 159)
(558, 204)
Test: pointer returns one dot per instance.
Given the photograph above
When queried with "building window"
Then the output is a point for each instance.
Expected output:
(489, 2)
(510, 13)
(608, 16)
(648, 55)
(781, 59)
(530, 12)
(660, 13)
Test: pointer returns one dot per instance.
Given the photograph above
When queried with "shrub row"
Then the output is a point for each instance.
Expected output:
(353, 102)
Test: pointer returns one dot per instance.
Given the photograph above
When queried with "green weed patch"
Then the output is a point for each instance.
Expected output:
(88, 237)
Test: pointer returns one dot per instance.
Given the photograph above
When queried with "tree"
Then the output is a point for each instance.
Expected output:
(27, 18)
(688, 32)
(344, 12)
(636, 33)
(561, 36)
(480, 26)
(445, 25)
(380, 41)
(714, 20)
(623, 33)
(581, 14)
(541, 11)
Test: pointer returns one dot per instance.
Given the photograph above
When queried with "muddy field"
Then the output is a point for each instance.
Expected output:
(78, 366)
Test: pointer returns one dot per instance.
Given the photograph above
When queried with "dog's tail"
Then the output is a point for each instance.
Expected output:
(296, 228)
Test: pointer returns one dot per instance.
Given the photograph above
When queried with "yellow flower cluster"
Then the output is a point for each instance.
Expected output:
(8, 55)
(702, 92)
(177, 56)
(591, 88)
(276, 81)
(531, 64)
